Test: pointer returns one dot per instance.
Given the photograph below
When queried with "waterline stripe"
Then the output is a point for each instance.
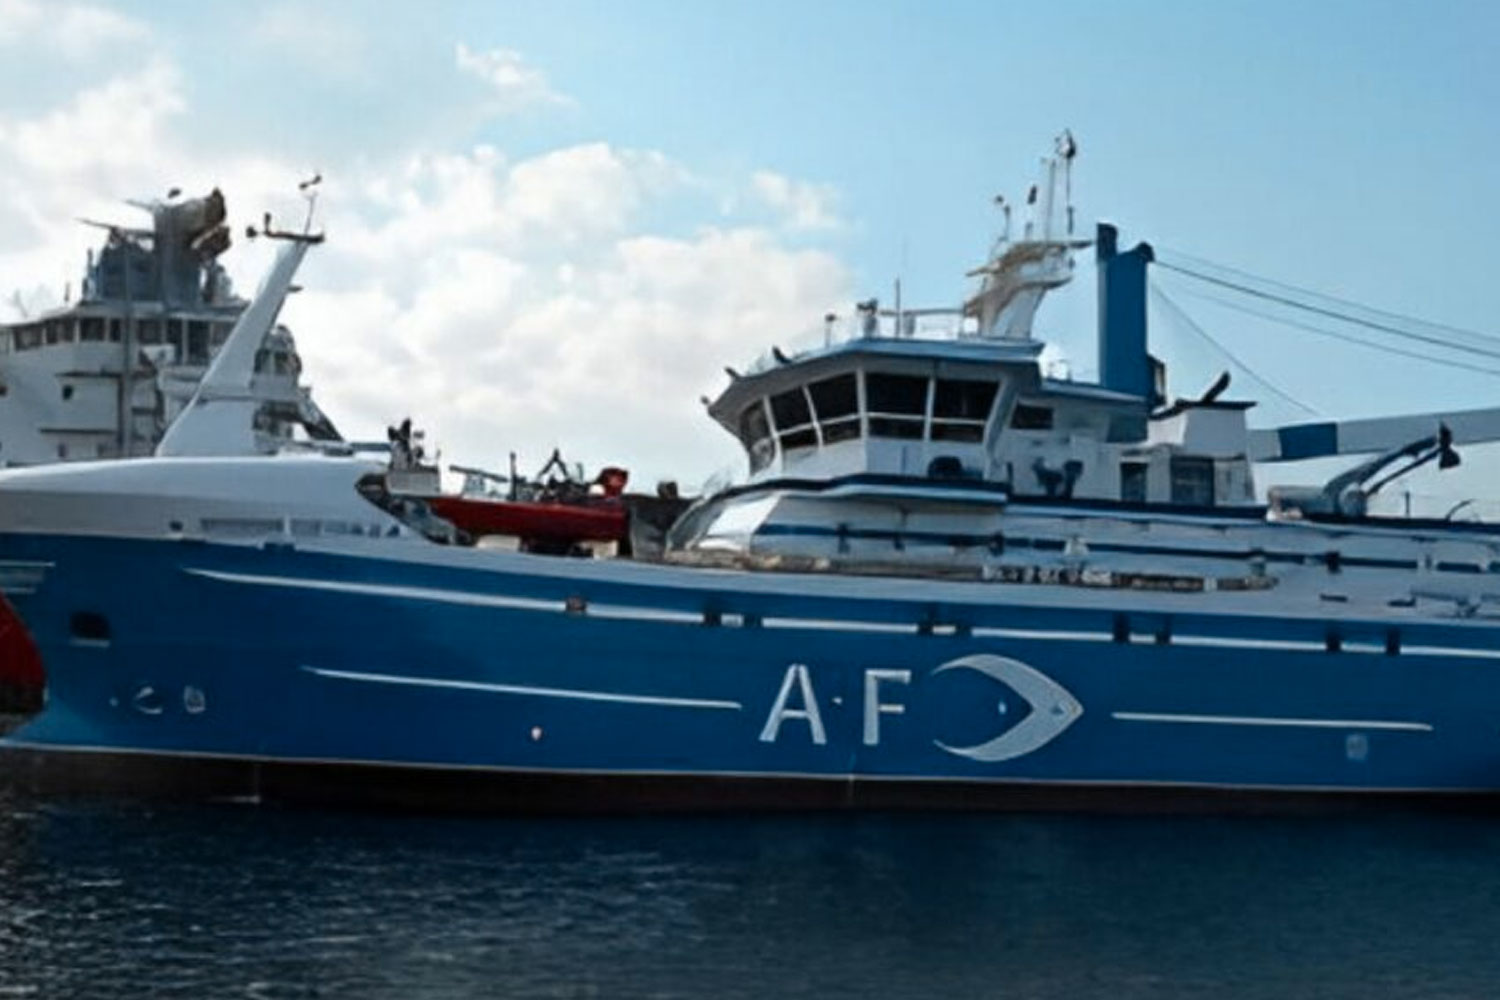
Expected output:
(834, 625)
(1059, 635)
(666, 615)
(625, 612)
(383, 590)
(574, 694)
(1217, 642)
(22, 577)
(1310, 646)
(1476, 654)
(1246, 720)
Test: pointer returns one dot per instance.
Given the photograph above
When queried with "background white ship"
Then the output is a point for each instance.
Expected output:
(104, 376)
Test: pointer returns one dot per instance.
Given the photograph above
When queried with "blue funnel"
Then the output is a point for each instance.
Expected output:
(1124, 365)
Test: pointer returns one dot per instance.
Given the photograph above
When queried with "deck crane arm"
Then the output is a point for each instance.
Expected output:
(1297, 442)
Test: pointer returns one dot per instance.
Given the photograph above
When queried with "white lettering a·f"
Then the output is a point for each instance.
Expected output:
(796, 673)
(874, 707)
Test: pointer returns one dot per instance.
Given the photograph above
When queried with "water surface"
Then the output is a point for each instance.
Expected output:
(111, 899)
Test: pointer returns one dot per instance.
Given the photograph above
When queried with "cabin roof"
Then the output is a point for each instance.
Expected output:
(821, 361)
(1088, 391)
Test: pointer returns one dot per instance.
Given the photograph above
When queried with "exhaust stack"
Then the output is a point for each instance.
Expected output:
(1124, 365)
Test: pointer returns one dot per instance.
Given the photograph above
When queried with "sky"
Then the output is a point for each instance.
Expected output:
(553, 224)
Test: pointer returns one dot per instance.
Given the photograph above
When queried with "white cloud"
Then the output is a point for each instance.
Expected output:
(570, 201)
(563, 325)
(802, 205)
(75, 30)
(117, 126)
(584, 192)
(108, 141)
(516, 85)
(504, 305)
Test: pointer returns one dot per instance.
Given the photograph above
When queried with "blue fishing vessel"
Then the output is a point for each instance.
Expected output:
(947, 580)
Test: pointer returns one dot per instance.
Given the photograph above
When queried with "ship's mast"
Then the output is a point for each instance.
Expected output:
(220, 417)
(1019, 273)
(125, 430)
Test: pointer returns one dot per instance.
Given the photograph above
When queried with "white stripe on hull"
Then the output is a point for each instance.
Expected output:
(1249, 720)
(677, 616)
(540, 692)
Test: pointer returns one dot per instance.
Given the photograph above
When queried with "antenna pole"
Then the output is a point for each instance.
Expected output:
(309, 189)
(1067, 168)
(1047, 199)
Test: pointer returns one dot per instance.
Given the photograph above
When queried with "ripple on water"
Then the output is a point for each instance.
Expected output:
(109, 900)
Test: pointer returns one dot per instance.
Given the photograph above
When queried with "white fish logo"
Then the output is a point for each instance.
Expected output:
(1053, 708)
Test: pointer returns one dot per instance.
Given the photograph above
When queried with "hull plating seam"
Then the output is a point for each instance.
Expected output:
(11, 744)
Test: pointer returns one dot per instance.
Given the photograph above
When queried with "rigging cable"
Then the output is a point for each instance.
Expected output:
(1187, 320)
(1331, 313)
(1325, 297)
(1336, 335)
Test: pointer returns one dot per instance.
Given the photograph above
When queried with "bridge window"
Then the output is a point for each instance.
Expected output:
(1193, 481)
(28, 337)
(755, 435)
(1031, 418)
(148, 331)
(93, 328)
(790, 409)
(1133, 482)
(836, 401)
(794, 421)
(961, 408)
(897, 404)
(197, 342)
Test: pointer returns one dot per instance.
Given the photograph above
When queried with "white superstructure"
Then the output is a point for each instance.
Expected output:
(931, 440)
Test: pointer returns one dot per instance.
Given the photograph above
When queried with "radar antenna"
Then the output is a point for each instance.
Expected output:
(308, 189)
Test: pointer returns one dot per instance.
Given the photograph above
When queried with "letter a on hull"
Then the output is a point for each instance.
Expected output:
(795, 674)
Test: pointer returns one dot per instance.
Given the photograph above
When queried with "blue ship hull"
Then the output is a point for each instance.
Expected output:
(578, 683)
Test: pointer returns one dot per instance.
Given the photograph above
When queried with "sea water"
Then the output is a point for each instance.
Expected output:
(130, 899)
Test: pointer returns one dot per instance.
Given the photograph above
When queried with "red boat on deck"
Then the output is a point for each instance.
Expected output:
(556, 512)
(545, 521)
